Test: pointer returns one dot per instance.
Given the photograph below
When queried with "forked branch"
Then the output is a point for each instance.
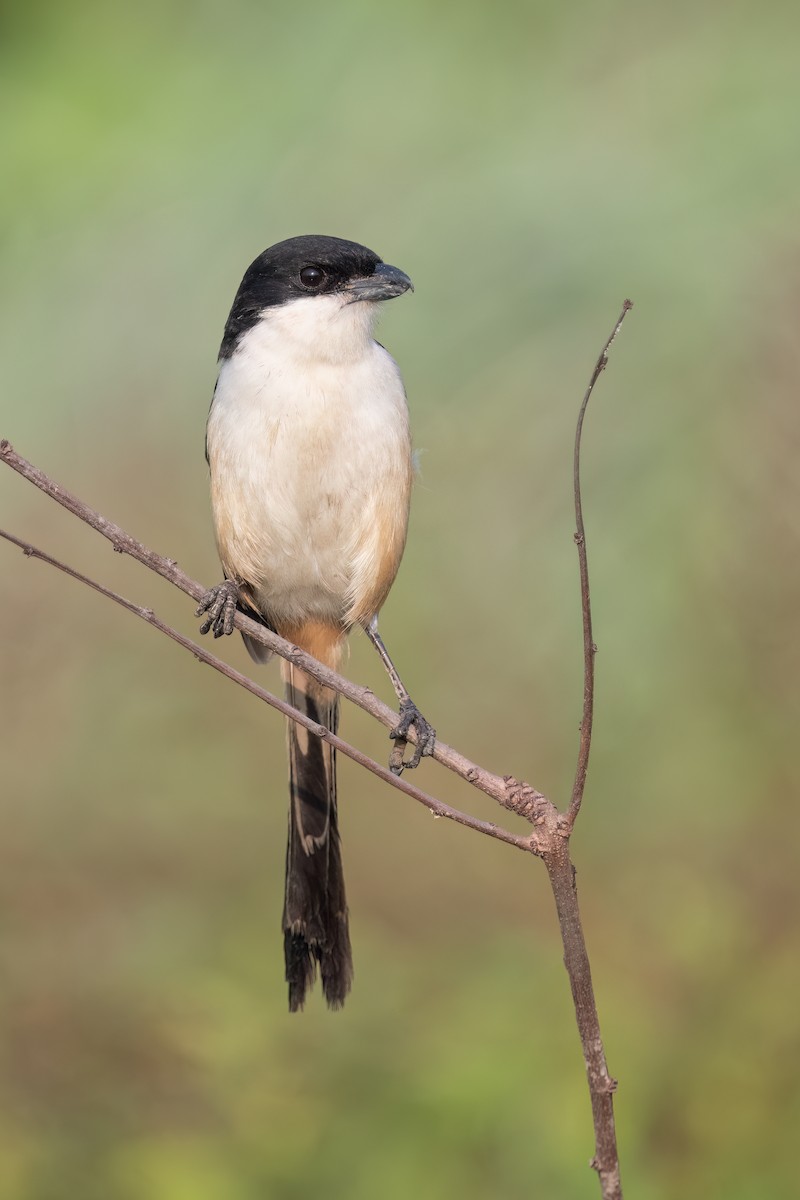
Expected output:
(550, 836)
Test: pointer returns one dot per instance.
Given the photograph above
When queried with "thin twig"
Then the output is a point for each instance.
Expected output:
(589, 648)
(437, 807)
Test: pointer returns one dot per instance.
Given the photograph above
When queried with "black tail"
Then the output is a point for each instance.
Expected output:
(315, 909)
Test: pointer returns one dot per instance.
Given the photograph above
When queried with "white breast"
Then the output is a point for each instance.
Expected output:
(309, 448)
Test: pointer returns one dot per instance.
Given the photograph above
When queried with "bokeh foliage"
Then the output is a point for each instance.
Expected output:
(529, 165)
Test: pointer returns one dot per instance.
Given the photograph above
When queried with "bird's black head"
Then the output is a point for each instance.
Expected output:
(304, 267)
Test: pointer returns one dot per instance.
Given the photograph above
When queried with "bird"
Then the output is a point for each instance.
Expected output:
(311, 469)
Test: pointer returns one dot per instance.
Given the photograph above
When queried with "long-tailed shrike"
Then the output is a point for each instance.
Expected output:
(309, 449)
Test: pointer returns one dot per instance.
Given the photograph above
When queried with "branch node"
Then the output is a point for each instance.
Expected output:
(524, 800)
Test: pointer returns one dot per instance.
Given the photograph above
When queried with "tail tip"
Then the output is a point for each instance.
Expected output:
(302, 957)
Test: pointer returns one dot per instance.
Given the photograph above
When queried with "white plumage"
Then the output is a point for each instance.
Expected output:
(310, 454)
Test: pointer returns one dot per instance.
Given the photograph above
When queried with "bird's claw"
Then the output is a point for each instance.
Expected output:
(219, 605)
(426, 737)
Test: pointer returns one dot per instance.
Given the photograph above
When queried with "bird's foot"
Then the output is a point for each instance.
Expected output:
(219, 605)
(426, 737)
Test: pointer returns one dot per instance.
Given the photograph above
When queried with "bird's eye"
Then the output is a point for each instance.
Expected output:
(312, 277)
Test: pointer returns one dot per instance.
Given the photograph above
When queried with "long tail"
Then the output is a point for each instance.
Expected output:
(315, 929)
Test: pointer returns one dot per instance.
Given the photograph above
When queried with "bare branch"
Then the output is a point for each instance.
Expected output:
(506, 791)
(437, 807)
(576, 960)
(589, 648)
(552, 830)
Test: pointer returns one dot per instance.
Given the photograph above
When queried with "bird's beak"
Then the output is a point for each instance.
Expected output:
(385, 283)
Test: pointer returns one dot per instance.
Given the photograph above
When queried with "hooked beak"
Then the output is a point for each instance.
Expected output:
(385, 283)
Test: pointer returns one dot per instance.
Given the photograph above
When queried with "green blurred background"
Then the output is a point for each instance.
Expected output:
(529, 165)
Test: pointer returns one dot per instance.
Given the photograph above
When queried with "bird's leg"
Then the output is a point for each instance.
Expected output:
(409, 713)
(219, 603)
